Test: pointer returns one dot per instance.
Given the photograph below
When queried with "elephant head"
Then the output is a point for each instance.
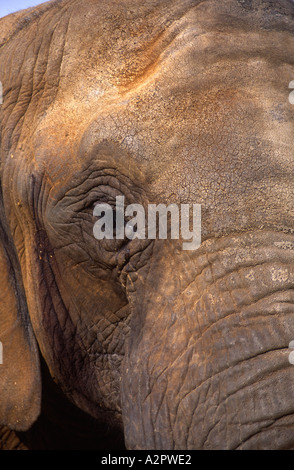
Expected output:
(161, 102)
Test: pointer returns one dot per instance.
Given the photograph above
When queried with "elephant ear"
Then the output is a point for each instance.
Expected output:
(20, 378)
(11, 24)
(20, 382)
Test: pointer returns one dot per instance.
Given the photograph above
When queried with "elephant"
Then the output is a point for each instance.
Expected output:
(137, 343)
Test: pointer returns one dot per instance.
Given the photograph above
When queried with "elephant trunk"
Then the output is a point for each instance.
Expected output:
(207, 363)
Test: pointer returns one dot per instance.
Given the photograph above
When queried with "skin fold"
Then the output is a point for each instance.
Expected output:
(139, 343)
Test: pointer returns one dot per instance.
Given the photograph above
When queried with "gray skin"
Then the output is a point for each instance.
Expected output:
(162, 101)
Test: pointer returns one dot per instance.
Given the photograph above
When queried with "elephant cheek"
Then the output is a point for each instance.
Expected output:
(207, 364)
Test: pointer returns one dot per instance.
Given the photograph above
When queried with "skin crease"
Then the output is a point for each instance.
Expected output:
(162, 102)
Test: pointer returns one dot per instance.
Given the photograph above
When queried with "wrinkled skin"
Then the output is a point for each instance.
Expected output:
(163, 101)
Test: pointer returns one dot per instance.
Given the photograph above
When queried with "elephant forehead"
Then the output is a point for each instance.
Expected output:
(94, 56)
(110, 47)
(193, 50)
(192, 118)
